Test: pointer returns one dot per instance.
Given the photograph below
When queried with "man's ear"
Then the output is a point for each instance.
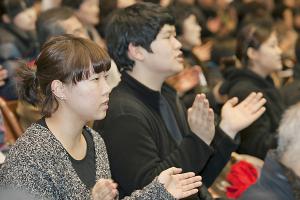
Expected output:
(135, 52)
(58, 89)
(6, 19)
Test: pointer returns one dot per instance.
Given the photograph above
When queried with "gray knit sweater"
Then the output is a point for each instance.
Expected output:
(39, 165)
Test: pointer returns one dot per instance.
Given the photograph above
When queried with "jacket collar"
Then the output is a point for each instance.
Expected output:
(145, 94)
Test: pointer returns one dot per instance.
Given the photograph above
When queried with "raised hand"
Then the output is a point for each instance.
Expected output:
(236, 117)
(201, 119)
(104, 189)
(185, 80)
(180, 185)
(203, 52)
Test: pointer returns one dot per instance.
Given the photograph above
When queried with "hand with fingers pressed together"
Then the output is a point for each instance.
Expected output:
(236, 117)
(180, 185)
(201, 119)
(104, 189)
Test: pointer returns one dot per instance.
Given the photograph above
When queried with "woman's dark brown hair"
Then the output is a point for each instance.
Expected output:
(66, 58)
(252, 35)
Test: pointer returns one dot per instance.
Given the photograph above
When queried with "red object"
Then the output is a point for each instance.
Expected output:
(31, 64)
(241, 176)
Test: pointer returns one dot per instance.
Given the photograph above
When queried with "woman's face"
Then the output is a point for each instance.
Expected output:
(88, 99)
(191, 31)
(89, 11)
(26, 19)
(268, 56)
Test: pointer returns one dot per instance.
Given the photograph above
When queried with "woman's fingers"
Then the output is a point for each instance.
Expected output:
(191, 186)
(190, 179)
(188, 193)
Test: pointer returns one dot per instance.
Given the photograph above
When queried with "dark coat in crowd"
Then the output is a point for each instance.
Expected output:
(140, 146)
(260, 136)
(276, 182)
(15, 45)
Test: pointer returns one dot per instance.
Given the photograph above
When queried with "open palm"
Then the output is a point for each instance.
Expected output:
(180, 185)
(236, 117)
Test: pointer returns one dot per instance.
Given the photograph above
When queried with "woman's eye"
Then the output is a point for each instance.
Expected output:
(96, 79)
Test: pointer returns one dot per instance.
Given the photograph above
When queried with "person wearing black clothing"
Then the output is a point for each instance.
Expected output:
(18, 40)
(59, 157)
(258, 50)
(146, 129)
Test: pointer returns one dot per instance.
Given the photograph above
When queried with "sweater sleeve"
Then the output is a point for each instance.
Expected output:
(135, 158)
(223, 146)
(154, 190)
(28, 180)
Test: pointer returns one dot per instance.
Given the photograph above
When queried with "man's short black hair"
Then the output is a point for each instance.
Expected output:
(138, 24)
(48, 25)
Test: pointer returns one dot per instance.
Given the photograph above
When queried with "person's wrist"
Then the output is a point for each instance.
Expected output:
(227, 129)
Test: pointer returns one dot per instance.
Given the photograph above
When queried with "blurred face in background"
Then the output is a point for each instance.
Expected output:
(125, 3)
(268, 56)
(74, 27)
(191, 31)
(26, 19)
(89, 12)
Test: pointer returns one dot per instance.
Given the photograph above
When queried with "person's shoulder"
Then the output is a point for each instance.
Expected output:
(243, 88)
(124, 101)
(259, 193)
(6, 36)
(35, 143)
(265, 188)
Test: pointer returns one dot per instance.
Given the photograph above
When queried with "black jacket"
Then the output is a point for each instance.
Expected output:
(260, 136)
(139, 145)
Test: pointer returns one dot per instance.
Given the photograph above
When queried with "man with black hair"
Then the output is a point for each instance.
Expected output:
(146, 129)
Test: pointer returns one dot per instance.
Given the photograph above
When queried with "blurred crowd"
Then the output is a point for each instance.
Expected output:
(230, 48)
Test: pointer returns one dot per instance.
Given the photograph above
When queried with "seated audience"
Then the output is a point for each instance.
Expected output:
(146, 130)
(59, 157)
(54, 22)
(17, 41)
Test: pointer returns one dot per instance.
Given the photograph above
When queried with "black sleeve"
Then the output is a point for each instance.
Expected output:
(135, 158)
(223, 146)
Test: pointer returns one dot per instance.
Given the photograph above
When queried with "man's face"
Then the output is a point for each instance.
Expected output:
(74, 26)
(26, 19)
(166, 57)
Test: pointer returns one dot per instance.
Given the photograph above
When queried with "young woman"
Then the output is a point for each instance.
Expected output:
(59, 157)
(258, 51)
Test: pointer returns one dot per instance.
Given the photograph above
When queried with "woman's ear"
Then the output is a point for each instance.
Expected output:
(58, 89)
(251, 53)
(135, 52)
